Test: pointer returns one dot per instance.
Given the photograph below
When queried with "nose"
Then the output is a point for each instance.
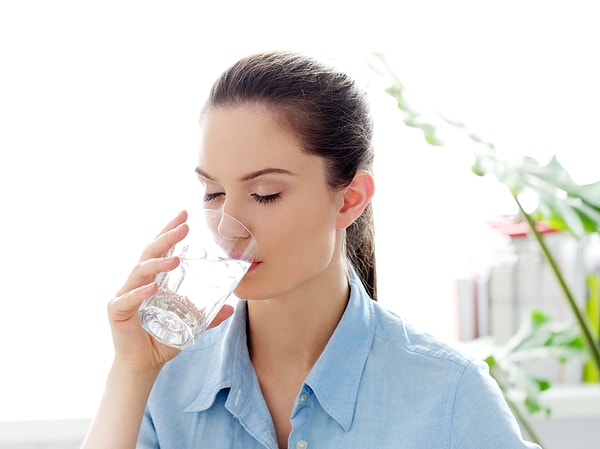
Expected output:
(230, 228)
(231, 235)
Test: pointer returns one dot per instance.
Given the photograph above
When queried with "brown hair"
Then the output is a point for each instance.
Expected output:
(329, 114)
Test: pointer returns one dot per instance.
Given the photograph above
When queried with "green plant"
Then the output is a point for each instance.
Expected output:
(562, 204)
(538, 338)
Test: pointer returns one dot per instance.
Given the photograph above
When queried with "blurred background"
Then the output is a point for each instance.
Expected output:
(99, 105)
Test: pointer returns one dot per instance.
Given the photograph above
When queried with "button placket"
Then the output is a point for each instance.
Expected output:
(300, 418)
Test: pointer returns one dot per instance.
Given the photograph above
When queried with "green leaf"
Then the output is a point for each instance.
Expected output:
(538, 318)
(534, 406)
(562, 203)
(542, 384)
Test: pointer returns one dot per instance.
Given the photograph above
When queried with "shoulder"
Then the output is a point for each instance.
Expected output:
(424, 366)
(423, 382)
(397, 333)
(399, 346)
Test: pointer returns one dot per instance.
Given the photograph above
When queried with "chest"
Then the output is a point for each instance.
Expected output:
(240, 422)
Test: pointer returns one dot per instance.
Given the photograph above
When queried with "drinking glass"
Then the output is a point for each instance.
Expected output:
(214, 257)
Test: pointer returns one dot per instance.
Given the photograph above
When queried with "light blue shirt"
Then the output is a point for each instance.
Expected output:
(379, 384)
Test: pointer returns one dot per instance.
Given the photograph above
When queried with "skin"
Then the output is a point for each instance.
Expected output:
(297, 291)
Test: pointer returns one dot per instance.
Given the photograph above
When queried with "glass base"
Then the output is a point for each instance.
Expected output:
(168, 321)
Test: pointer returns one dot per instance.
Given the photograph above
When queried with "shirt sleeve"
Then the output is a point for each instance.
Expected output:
(481, 417)
(147, 438)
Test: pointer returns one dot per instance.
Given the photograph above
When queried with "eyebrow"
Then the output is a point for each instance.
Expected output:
(249, 176)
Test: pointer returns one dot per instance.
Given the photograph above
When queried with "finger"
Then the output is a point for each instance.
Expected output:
(126, 305)
(181, 217)
(146, 271)
(225, 312)
(164, 242)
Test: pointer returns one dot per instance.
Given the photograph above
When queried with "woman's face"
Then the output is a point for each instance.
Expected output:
(256, 172)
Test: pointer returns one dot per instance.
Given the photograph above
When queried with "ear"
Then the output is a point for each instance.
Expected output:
(355, 198)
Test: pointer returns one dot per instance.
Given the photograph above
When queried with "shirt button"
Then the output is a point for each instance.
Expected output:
(302, 399)
(237, 398)
(301, 444)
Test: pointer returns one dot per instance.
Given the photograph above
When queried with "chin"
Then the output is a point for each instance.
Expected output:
(251, 288)
(247, 290)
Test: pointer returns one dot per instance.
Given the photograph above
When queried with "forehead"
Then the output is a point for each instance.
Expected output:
(247, 138)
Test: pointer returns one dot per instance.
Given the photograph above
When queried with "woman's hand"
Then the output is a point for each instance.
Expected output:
(134, 347)
(138, 357)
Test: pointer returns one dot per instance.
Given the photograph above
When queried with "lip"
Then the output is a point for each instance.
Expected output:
(253, 266)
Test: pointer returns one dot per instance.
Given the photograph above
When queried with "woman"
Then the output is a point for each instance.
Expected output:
(308, 359)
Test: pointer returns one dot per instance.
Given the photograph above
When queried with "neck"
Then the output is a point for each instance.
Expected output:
(289, 333)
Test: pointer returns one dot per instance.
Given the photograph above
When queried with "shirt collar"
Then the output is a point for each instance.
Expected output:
(335, 377)
(229, 363)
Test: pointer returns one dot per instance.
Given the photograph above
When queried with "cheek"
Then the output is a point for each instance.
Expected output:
(302, 223)
(293, 247)
(302, 233)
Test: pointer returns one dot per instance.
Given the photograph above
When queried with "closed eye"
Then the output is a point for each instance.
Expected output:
(266, 199)
(211, 196)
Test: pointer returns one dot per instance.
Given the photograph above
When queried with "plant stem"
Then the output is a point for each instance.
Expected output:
(591, 344)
